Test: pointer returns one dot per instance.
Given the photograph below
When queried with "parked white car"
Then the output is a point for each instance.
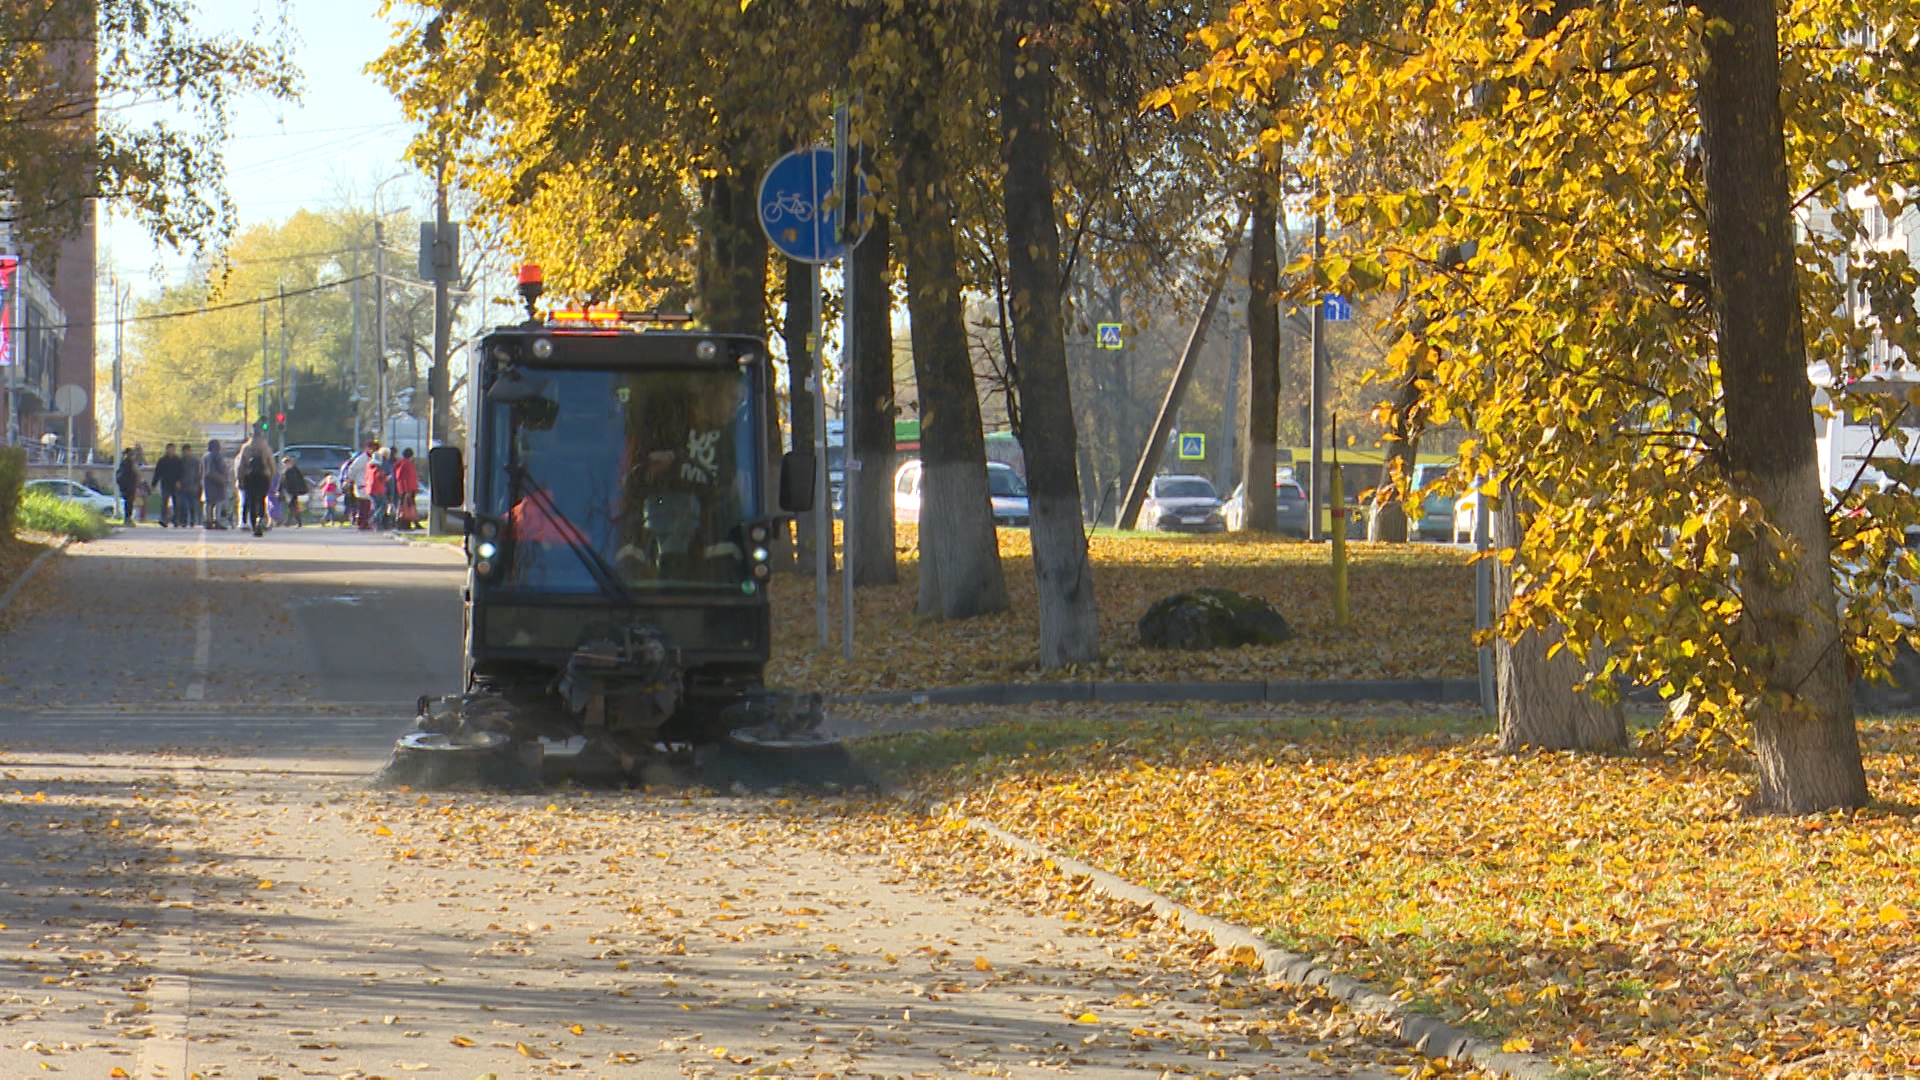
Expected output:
(75, 491)
(1009, 493)
(1466, 513)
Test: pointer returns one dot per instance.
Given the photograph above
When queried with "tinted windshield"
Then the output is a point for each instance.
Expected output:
(1184, 487)
(650, 472)
(1006, 483)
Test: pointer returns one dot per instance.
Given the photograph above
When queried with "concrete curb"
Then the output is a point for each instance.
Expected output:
(1428, 1035)
(6, 598)
(1278, 691)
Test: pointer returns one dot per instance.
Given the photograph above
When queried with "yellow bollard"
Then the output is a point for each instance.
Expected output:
(1338, 514)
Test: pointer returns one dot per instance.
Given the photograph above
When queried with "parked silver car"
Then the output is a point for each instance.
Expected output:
(1182, 504)
(1290, 504)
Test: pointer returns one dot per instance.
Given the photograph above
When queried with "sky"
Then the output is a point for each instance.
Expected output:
(345, 134)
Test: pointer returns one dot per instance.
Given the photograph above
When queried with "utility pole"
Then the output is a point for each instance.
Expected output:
(265, 381)
(282, 411)
(1238, 356)
(355, 398)
(1318, 393)
(119, 370)
(380, 329)
(444, 246)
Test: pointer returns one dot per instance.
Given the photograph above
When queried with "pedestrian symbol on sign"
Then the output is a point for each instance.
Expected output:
(1109, 335)
(1193, 446)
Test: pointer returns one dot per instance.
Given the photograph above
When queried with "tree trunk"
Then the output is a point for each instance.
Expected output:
(1803, 729)
(800, 399)
(1263, 374)
(733, 255)
(1389, 521)
(1069, 622)
(873, 407)
(1538, 704)
(960, 573)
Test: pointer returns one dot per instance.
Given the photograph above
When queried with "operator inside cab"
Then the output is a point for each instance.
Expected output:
(635, 475)
(682, 459)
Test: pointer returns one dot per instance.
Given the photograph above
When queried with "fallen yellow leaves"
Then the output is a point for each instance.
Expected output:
(1596, 908)
(1415, 602)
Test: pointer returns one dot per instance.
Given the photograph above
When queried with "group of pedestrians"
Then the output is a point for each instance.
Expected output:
(372, 490)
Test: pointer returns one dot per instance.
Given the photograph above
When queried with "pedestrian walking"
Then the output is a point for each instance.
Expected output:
(189, 490)
(353, 473)
(140, 469)
(293, 488)
(406, 489)
(379, 483)
(166, 481)
(127, 478)
(213, 482)
(330, 499)
(253, 475)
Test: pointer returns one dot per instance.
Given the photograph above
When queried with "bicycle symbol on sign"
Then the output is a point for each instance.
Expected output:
(792, 204)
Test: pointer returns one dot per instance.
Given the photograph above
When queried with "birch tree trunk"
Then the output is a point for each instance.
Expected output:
(1803, 731)
(1538, 703)
(1069, 622)
(960, 573)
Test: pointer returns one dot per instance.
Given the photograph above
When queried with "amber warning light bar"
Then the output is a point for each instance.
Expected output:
(613, 316)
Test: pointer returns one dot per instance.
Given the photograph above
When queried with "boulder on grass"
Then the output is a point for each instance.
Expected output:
(1212, 618)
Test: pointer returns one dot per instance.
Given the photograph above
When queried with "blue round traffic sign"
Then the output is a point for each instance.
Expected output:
(796, 209)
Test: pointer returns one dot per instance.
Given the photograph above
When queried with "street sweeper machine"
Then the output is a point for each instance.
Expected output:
(618, 510)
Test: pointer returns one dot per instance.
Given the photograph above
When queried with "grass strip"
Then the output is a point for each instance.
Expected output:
(1615, 912)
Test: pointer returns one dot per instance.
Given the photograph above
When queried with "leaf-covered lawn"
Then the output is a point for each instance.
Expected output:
(1619, 913)
(1412, 610)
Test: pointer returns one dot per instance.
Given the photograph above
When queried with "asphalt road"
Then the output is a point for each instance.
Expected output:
(197, 881)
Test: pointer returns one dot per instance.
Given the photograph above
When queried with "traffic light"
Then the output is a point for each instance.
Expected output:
(280, 418)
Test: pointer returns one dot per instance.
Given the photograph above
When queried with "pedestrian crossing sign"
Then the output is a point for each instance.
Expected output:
(1193, 446)
(1108, 336)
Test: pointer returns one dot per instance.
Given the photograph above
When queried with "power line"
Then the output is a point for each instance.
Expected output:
(209, 310)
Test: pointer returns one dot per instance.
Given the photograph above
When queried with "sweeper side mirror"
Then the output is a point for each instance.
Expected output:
(447, 475)
(796, 481)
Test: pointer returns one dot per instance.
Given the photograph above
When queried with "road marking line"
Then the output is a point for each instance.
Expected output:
(200, 569)
(202, 650)
(170, 994)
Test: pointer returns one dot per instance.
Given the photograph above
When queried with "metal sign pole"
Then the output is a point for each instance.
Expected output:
(823, 496)
(850, 467)
(849, 218)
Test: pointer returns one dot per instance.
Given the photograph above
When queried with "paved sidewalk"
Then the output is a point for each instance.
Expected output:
(313, 928)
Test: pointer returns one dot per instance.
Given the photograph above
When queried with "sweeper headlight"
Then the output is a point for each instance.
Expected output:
(492, 548)
(759, 533)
